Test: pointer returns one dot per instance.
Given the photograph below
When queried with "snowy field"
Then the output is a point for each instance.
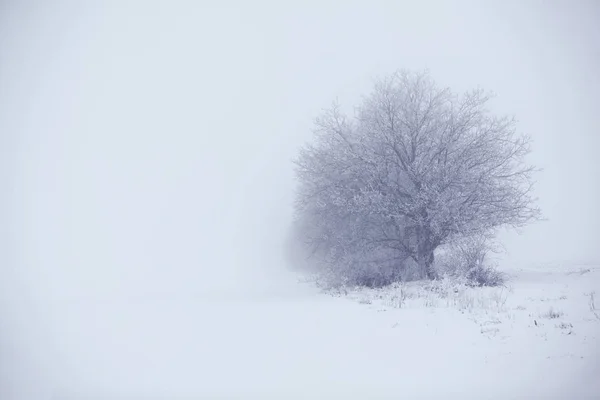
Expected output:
(537, 338)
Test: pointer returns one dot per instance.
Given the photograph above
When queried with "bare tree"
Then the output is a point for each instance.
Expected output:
(417, 167)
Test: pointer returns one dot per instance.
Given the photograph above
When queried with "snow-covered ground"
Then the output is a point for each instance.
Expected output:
(538, 338)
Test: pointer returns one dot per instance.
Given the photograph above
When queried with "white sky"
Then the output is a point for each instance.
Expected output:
(146, 144)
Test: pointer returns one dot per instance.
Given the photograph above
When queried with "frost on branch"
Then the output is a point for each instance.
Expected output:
(415, 168)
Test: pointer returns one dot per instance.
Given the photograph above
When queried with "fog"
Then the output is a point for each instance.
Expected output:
(146, 146)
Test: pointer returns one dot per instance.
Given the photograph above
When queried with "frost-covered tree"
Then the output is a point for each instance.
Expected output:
(416, 167)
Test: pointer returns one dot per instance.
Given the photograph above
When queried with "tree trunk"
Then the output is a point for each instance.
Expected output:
(425, 256)
(426, 268)
(426, 245)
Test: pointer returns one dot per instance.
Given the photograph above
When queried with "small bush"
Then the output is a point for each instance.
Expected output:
(467, 259)
(482, 275)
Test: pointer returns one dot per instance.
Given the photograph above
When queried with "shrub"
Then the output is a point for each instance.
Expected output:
(467, 259)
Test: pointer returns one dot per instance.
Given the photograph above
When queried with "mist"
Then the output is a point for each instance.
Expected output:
(147, 147)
